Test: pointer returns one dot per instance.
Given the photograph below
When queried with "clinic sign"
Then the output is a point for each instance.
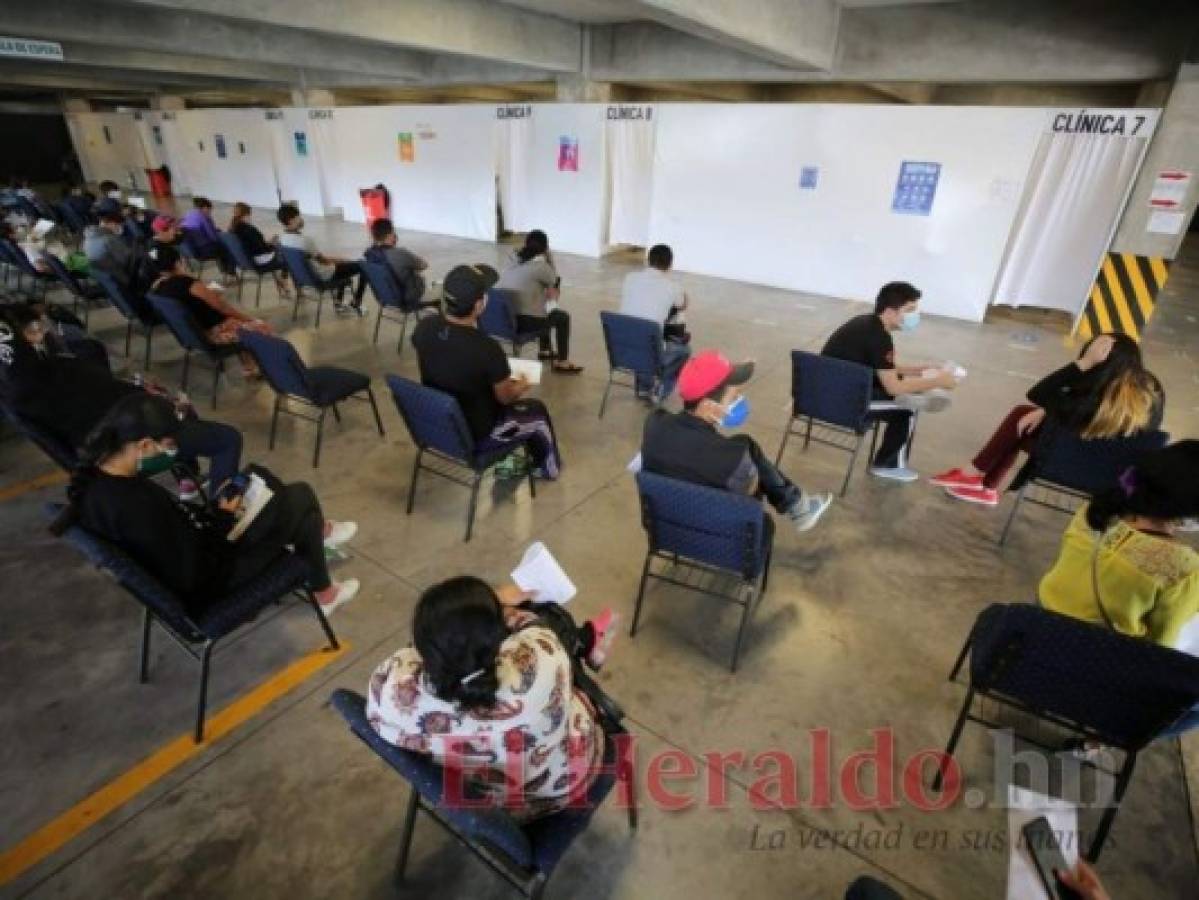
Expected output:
(625, 113)
(1112, 122)
(22, 48)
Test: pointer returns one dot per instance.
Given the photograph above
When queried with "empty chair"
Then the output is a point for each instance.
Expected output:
(136, 310)
(1064, 462)
(319, 387)
(303, 276)
(242, 263)
(192, 339)
(197, 636)
(499, 320)
(84, 294)
(1091, 681)
(834, 394)
(710, 530)
(438, 428)
(634, 348)
(523, 854)
(392, 305)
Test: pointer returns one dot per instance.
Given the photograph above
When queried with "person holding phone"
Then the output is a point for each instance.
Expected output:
(185, 546)
(455, 356)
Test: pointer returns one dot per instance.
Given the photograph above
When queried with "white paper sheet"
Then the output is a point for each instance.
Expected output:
(634, 465)
(1023, 882)
(530, 368)
(540, 573)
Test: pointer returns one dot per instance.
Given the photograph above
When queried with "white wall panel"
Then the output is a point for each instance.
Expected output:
(247, 171)
(109, 147)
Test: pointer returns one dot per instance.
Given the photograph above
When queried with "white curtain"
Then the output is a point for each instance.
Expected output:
(631, 162)
(513, 148)
(1077, 187)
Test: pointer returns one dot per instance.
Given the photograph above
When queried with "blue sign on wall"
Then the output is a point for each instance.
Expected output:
(916, 188)
(808, 176)
(220, 146)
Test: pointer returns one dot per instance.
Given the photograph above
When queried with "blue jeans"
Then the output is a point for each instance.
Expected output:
(674, 356)
(219, 443)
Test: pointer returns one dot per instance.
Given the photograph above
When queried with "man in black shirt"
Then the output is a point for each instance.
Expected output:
(456, 357)
(867, 340)
(687, 446)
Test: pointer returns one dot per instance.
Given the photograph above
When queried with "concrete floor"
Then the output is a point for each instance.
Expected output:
(858, 631)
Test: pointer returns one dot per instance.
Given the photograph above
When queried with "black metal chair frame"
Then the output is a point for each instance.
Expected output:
(838, 430)
(473, 482)
(1025, 496)
(281, 401)
(613, 371)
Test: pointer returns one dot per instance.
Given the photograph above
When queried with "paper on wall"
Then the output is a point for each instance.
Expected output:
(540, 573)
(1161, 222)
(1023, 882)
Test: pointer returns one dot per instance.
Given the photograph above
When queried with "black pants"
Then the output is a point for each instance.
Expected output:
(343, 272)
(893, 451)
(293, 517)
(219, 443)
(779, 491)
(558, 322)
(215, 250)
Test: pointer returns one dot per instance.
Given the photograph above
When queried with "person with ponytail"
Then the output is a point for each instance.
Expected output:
(490, 686)
(264, 253)
(535, 282)
(186, 546)
(1121, 564)
(1106, 393)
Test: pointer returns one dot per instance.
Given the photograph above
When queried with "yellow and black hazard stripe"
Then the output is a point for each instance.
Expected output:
(1123, 295)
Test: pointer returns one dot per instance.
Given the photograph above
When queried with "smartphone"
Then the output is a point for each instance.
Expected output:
(235, 487)
(1047, 856)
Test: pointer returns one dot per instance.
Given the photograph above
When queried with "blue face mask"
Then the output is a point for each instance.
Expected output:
(909, 321)
(735, 415)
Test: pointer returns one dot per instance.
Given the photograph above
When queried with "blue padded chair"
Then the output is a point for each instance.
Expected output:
(136, 310)
(196, 635)
(525, 855)
(243, 264)
(1091, 681)
(499, 320)
(709, 530)
(61, 452)
(303, 276)
(189, 244)
(1064, 462)
(71, 218)
(84, 294)
(834, 394)
(320, 387)
(15, 257)
(192, 339)
(634, 348)
(392, 305)
(438, 428)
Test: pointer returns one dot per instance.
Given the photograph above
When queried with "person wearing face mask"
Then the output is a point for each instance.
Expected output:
(866, 340)
(455, 356)
(325, 267)
(689, 446)
(186, 546)
(107, 249)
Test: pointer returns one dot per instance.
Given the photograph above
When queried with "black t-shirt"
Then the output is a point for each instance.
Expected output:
(865, 340)
(680, 445)
(251, 239)
(179, 287)
(466, 363)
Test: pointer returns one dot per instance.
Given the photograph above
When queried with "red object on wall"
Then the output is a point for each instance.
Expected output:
(160, 182)
(376, 203)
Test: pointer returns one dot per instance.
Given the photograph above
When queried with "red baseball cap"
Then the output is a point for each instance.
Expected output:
(709, 370)
(162, 223)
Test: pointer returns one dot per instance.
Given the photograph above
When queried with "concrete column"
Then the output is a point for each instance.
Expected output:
(312, 97)
(1175, 146)
(574, 88)
(76, 105)
(167, 102)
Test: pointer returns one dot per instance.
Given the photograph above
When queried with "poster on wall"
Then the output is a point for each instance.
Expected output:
(301, 140)
(219, 140)
(407, 147)
(107, 135)
(808, 177)
(157, 130)
(916, 188)
(568, 154)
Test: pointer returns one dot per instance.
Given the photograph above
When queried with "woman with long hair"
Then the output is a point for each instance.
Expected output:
(264, 253)
(489, 685)
(1105, 393)
(537, 287)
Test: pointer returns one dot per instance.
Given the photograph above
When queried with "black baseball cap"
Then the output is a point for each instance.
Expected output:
(464, 286)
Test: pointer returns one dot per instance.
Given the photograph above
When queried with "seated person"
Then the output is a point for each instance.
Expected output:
(36, 241)
(65, 391)
(485, 680)
(139, 226)
(80, 200)
(535, 281)
(264, 253)
(184, 546)
(687, 445)
(405, 265)
(651, 294)
(1121, 564)
(219, 320)
(108, 251)
(456, 357)
(200, 231)
(164, 233)
(1107, 392)
(866, 340)
(325, 268)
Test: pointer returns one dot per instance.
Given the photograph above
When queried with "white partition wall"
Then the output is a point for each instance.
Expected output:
(109, 147)
(228, 156)
(728, 196)
(297, 166)
(630, 133)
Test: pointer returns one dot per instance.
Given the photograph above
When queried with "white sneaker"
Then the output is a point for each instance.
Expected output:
(808, 509)
(346, 591)
(895, 473)
(341, 533)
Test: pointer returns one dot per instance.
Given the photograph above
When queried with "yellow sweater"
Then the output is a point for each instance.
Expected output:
(1149, 584)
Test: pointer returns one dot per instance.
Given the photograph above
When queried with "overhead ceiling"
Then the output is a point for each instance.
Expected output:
(252, 50)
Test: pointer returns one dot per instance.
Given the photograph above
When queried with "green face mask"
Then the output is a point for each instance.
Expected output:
(156, 463)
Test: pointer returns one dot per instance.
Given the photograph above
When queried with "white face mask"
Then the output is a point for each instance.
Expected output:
(114, 195)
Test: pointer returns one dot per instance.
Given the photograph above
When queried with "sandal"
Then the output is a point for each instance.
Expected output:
(566, 368)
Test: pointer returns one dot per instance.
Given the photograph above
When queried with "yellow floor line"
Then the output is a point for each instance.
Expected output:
(52, 836)
(58, 476)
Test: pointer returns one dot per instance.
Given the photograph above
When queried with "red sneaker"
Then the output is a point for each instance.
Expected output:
(983, 496)
(956, 478)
